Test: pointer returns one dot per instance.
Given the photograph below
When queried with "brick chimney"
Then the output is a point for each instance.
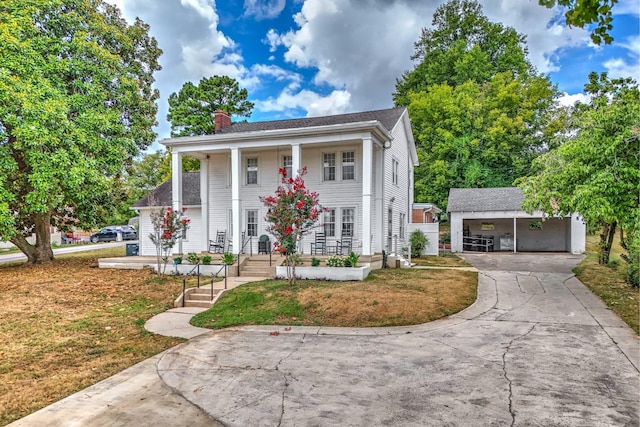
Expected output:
(221, 120)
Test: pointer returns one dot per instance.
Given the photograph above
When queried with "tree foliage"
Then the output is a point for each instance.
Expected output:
(479, 110)
(462, 46)
(293, 212)
(76, 105)
(581, 13)
(596, 172)
(192, 109)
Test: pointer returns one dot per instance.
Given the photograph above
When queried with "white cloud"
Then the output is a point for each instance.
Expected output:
(630, 65)
(356, 47)
(263, 9)
(627, 7)
(568, 100)
(546, 38)
(337, 102)
(193, 47)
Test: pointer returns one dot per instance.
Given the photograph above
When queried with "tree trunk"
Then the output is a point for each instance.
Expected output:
(41, 251)
(606, 241)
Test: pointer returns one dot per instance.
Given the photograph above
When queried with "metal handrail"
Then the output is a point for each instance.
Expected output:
(250, 241)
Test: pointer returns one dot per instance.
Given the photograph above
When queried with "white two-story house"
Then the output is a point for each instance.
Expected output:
(360, 164)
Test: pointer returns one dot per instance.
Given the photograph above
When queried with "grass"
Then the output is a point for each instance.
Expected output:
(608, 282)
(67, 325)
(446, 259)
(390, 297)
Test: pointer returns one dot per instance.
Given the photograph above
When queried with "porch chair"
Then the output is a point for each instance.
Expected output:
(264, 245)
(319, 245)
(217, 246)
(344, 245)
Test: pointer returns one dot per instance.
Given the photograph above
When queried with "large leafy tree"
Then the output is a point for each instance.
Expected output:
(479, 109)
(76, 104)
(462, 45)
(582, 13)
(192, 109)
(596, 172)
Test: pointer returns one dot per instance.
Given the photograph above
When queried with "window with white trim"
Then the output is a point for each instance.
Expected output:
(329, 166)
(252, 170)
(287, 164)
(394, 171)
(330, 222)
(402, 219)
(252, 223)
(348, 165)
(348, 221)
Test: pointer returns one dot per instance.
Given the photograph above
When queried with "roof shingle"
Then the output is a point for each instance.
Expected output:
(388, 118)
(485, 199)
(162, 195)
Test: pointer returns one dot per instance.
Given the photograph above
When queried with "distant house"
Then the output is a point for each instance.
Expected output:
(424, 213)
(361, 165)
(493, 219)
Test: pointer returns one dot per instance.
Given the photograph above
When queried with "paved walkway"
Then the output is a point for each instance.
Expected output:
(537, 348)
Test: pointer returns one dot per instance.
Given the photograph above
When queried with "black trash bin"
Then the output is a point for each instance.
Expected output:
(132, 249)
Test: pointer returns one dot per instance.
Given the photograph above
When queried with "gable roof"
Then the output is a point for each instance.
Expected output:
(162, 195)
(388, 118)
(485, 199)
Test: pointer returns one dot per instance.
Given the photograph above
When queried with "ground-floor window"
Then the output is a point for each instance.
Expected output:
(252, 223)
(348, 221)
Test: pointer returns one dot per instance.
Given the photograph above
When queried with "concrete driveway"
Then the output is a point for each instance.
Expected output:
(536, 349)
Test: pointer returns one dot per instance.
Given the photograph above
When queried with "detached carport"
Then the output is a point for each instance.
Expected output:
(492, 219)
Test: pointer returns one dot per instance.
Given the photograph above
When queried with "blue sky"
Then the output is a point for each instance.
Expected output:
(302, 58)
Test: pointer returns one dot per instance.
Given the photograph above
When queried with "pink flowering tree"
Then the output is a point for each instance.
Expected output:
(293, 212)
(168, 226)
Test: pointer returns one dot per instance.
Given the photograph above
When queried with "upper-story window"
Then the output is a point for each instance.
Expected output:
(394, 171)
(287, 164)
(252, 170)
(329, 166)
(348, 165)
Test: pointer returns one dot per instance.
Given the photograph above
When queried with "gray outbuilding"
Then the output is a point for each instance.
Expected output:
(492, 219)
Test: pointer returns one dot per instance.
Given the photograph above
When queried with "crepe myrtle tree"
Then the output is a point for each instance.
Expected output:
(168, 226)
(292, 212)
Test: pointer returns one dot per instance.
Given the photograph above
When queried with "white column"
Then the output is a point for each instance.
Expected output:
(295, 159)
(176, 188)
(515, 236)
(367, 169)
(204, 202)
(379, 198)
(236, 170)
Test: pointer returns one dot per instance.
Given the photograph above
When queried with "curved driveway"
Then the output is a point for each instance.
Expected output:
(537, 348)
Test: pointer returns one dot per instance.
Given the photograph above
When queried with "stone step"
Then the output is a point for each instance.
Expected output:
(200, 296)
(196, 303)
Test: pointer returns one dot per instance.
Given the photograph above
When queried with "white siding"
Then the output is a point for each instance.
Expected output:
(400, 193)
(193, 243)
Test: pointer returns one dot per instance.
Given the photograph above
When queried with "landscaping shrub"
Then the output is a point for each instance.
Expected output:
(193, 258)
(206, 259)
(418, 242)
(315, 262)
(335, 261)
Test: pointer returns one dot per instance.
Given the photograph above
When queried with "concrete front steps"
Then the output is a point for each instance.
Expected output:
(258, 266)
(201, 297)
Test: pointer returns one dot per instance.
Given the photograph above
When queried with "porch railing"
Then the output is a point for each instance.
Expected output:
(250, 241)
